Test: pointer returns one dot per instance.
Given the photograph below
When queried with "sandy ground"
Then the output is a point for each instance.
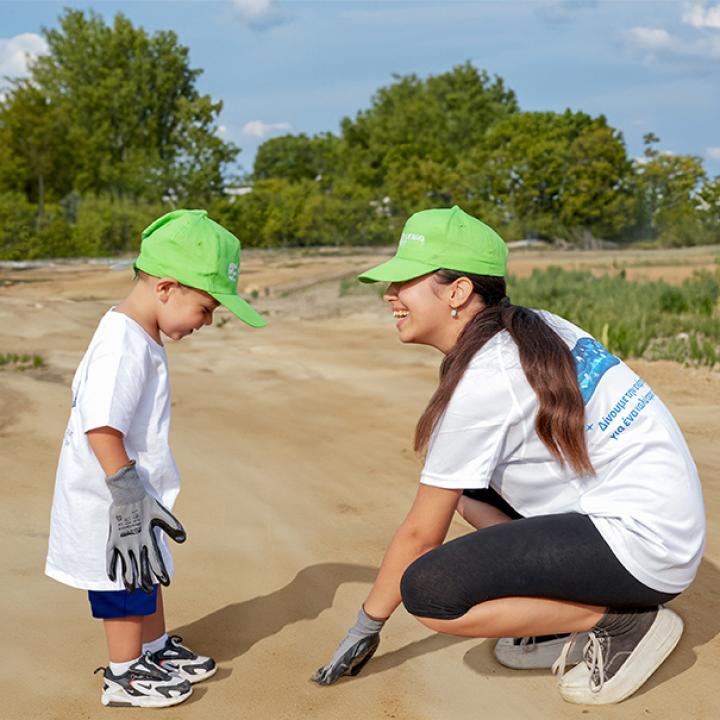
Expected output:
(294, 445)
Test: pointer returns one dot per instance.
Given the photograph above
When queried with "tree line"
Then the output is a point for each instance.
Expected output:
(110, 130)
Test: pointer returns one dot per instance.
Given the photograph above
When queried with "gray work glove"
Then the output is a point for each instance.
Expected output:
(354, 651)
(133, 515)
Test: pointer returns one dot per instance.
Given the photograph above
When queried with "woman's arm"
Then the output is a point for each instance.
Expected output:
(424, 528)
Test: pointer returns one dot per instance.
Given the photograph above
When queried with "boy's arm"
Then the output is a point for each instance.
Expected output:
(133, 514)
(109, 448)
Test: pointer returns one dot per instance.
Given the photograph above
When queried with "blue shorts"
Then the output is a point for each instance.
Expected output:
(108, 604)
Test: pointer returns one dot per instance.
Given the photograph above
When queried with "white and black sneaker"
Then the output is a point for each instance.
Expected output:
(623, 650)
(145, 684)
(532, 653)
(184, 662)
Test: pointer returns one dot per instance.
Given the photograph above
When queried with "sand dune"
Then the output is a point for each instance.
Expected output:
(294, 446)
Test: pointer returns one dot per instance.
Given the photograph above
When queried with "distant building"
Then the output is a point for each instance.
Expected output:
(234, 192)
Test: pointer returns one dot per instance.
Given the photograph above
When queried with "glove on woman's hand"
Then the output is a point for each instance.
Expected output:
(133, 515)
(354, 651)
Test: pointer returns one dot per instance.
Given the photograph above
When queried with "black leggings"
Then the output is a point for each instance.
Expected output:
(551, 556)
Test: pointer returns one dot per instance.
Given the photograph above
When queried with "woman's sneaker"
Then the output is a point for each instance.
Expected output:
(532, 653)
(145, 684)
(623, 650)
(179, 659)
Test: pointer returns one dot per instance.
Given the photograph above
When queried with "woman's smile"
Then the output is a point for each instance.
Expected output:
(401, 316)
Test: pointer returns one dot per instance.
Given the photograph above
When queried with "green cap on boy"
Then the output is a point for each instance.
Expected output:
(189, 247)
(443, 238)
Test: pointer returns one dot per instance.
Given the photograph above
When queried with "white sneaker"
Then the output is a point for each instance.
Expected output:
(179, 659)
(532, 653)
(623, 650)
(145, 684)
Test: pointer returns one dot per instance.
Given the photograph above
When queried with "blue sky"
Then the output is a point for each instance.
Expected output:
(301, 66)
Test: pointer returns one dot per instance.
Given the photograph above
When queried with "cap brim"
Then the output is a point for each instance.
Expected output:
(397, 269)
(241, 309)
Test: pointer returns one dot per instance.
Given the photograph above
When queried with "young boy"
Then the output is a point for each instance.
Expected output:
(116, 475)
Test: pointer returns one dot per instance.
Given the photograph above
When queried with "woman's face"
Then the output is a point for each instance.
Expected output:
(422, 309)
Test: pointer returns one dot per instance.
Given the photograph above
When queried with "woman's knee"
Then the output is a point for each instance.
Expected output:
(428, 590)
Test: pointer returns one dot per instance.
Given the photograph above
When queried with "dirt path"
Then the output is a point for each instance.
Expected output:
(294, 445)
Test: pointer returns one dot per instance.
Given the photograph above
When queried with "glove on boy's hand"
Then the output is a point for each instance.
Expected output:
(131, 539)
(354, 651)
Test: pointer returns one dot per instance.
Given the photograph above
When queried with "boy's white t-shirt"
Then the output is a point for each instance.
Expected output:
(121, 382)
(645, 498)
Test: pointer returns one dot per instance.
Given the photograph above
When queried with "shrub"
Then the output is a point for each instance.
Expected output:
(649, 319)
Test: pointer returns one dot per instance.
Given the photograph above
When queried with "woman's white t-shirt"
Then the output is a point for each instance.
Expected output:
(645, 497)
(121, 382)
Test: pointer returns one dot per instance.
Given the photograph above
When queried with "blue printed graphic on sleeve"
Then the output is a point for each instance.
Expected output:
(592, 361)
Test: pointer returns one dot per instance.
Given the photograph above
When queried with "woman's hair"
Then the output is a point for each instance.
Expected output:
(546, 360)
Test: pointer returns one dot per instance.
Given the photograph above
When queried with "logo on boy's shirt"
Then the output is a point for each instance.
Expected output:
(233, 269)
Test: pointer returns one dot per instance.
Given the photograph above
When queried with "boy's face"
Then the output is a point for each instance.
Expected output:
(183, 309)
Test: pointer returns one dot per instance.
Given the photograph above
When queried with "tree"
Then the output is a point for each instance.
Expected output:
(667, 187)
(440, 119)
(546, 173)
(138, 126)
(418, 183)
(297, 157)
(709, 208)
(597, 193)
(34, 137)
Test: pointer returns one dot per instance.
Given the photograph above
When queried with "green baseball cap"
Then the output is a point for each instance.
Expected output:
(189, 247)
(442, 238)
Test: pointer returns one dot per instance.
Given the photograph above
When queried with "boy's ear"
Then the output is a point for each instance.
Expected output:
(163, 287)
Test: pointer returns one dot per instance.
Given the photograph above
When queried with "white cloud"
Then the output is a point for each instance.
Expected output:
(259, 14)
(259, 129)
(699, 15)
(699, 42)
(713, 152)
(650, 38)
(253, 8)
(658, 41)
(16, 51)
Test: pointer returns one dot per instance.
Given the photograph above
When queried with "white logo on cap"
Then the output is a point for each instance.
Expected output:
(411, 237)
(233, 272)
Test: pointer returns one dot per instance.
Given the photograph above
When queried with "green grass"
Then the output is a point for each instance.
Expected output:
(21, 361)
(649, 319)
(352, 286)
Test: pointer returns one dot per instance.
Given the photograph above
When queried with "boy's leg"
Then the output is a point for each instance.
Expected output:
(124, 638)
(168, 651)
(153, 626)
(131, 679)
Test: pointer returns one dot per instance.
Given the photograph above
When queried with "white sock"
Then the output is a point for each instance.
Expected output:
(155, 645)
(121, 668)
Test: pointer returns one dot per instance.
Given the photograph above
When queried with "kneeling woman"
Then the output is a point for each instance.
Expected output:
(586, 500)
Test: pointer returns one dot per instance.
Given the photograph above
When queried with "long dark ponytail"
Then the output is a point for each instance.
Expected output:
(546, 360)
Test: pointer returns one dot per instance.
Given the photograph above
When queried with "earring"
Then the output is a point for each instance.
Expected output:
(454, 313)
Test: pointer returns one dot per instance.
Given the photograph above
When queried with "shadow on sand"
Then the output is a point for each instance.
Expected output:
(697, 606)
(234, 629)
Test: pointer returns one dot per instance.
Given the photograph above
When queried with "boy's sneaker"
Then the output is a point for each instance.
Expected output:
(182, 661)
(532, 653)
(623, 650)
(145, 684)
